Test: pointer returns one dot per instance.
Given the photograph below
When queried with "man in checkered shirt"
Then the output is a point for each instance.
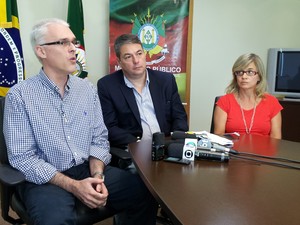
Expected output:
(56, 137)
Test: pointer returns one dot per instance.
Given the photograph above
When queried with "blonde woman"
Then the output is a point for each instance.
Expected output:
(247, 108)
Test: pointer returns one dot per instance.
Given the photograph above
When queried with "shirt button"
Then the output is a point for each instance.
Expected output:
(68, 137)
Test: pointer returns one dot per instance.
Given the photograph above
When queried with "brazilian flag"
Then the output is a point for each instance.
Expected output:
(76, 21)
(11, 55)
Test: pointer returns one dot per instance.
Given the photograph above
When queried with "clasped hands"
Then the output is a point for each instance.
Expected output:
(92, 192)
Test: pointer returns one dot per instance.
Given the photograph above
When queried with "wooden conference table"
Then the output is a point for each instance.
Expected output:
(239, 192)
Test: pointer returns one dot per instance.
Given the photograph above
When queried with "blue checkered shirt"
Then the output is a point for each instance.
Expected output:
(45, 133)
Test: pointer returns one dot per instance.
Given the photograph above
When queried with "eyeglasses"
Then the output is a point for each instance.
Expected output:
(63, 43)
(241, 73)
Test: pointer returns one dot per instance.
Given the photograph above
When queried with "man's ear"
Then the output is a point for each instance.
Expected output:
(40, 52)
(119, 62)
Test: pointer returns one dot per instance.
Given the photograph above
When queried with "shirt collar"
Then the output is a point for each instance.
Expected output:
(51, 85)
(130, 85)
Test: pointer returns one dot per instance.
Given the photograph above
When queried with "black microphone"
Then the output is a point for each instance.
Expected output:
(182, 135)
(170, 141)
(158, 145)
(210, 155)
(176, 150)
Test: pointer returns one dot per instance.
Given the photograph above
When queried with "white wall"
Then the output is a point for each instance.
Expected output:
(222, 30)
(96, 16)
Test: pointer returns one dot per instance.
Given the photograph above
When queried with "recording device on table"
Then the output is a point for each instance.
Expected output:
(185, 147)
(206, 149)
(186, 151)
(177, 150)
(213, 147)
(158, 146)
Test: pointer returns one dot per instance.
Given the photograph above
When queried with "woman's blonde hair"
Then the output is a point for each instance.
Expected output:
(240, 65)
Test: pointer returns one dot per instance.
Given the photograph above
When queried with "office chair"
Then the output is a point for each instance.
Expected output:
(10, 177)
(213, 112)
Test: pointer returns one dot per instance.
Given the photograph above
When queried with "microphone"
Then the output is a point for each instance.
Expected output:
(206, 144)
(182, 135)
(176, 150)
(203, 143)
(158, 145)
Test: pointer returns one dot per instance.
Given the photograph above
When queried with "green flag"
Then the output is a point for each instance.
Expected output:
(11, 55)
(76, 21)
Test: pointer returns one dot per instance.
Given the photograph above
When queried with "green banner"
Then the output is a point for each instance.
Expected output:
(76, 21)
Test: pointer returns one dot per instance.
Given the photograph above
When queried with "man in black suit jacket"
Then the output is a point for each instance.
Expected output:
(122, 94)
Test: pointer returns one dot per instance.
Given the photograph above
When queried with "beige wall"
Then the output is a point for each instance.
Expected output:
(222, 30)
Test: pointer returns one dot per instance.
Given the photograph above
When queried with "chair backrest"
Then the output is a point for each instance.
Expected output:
(11, 200)
(213, 112)
(3, 150)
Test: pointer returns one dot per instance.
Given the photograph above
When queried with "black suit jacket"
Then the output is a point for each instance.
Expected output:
(121, 113)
